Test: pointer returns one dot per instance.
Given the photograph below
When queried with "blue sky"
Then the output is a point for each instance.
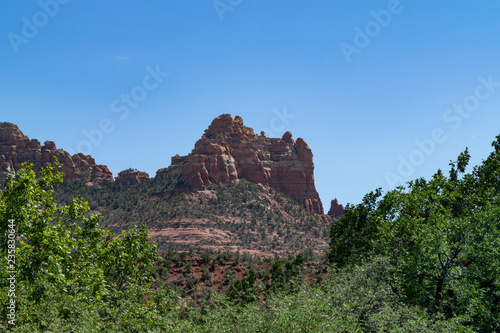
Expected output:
(382, 91)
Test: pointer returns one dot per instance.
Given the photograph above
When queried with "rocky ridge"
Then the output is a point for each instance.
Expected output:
(16, 148)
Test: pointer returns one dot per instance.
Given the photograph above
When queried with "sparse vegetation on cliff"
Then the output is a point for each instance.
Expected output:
(224, 217)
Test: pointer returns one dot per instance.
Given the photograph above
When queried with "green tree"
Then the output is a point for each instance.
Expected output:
(244, 291)
(351, 238)
(442, 236)
(284, 275)
(61, 250)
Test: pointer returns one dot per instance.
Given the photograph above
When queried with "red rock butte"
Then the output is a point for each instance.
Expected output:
(16, 148)
(131, 177)
(229, 151)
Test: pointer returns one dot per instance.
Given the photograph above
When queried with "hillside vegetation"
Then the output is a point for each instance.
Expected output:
(243, 216)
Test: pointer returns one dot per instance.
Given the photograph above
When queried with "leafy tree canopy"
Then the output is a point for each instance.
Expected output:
(441, 235)
(61, 250)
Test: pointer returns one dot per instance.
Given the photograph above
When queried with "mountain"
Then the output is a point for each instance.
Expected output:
(235, 191)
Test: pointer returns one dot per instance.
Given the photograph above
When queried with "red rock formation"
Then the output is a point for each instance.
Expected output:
(229, 151)
(131, 177)
(336, 209)
(226, 152)
(16, 148)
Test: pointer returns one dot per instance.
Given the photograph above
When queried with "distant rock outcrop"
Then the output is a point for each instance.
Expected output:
(131, 177)
(336, 209)
(229, 151)
(16, 148)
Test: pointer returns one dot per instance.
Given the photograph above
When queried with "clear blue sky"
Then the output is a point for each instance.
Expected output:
(362, 79)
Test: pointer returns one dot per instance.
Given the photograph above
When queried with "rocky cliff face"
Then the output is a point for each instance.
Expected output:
(336, 209)
(229, 151)
(16, 148)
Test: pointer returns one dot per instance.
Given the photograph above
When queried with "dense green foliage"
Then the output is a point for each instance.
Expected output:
(352, 300)
(441, 237)
(283, 277)
(64, 262)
